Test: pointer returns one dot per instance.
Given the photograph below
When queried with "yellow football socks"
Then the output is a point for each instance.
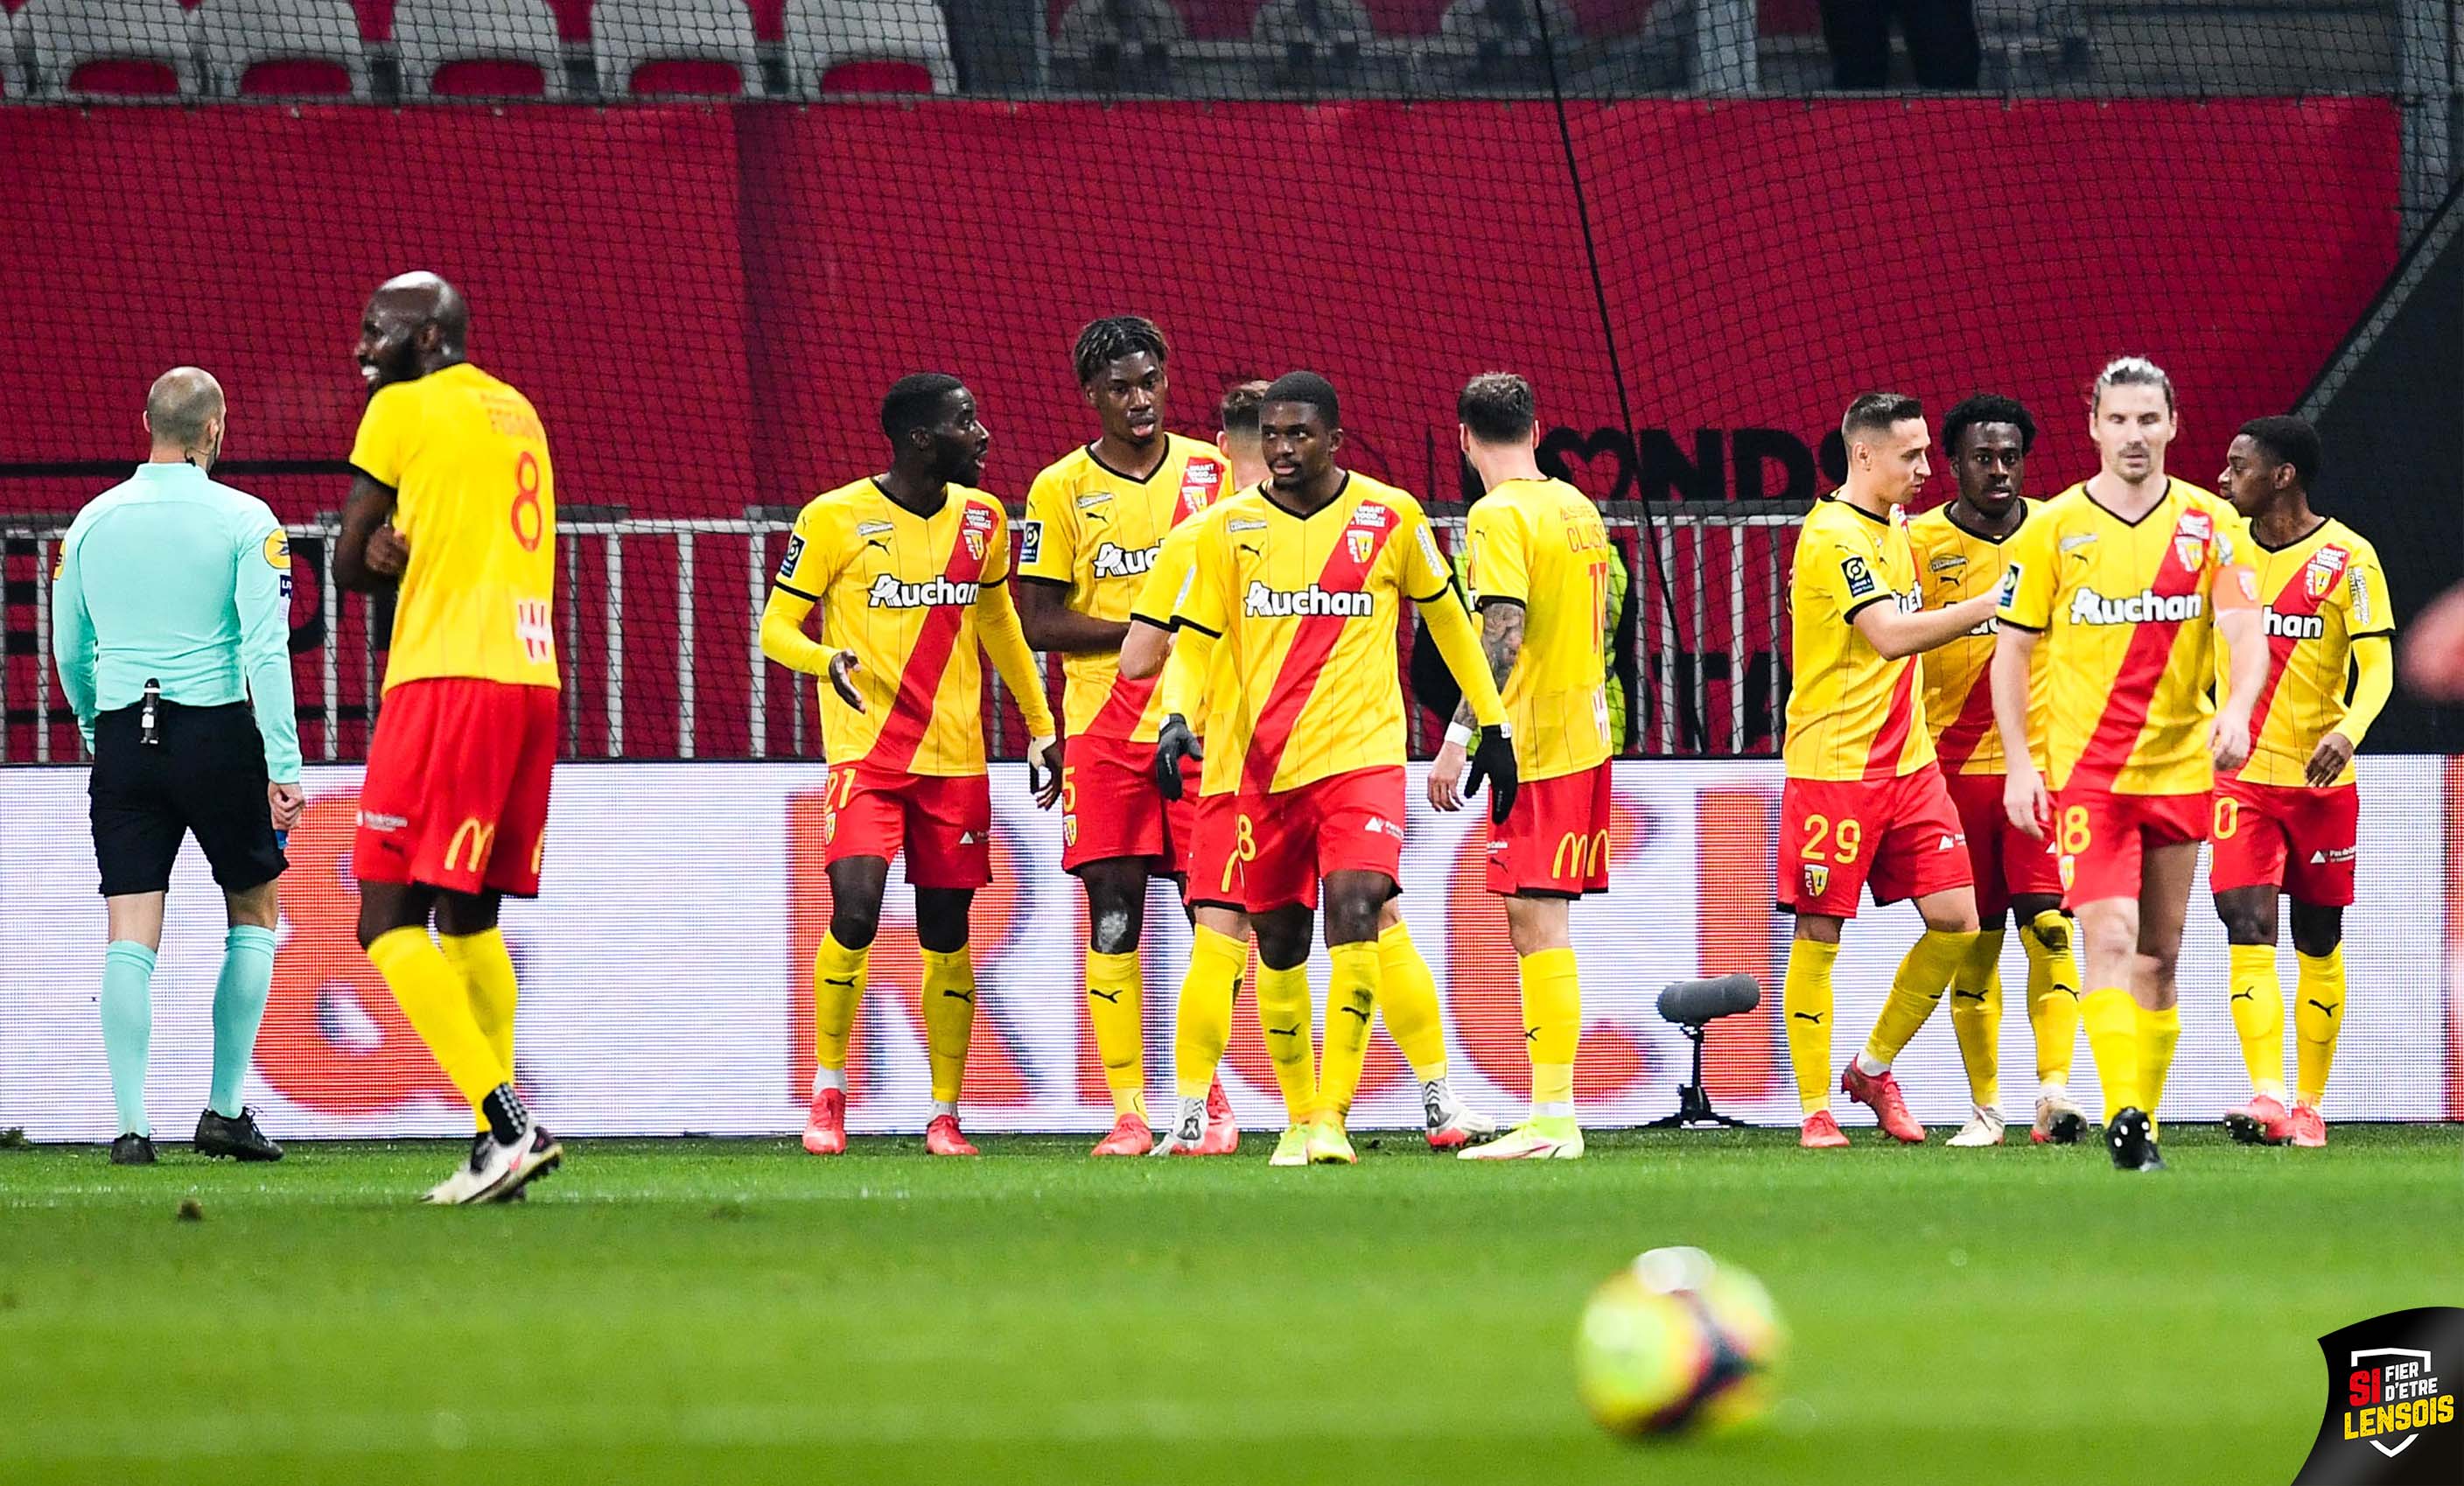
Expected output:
(437, 1001)
(2052, 995)
(1202, 1026)
(2112, 1021)
(1352, 988)
(2257, 1006)
(1292, 1041)
(838, 990)
(1976, 1016)
(1923, 974)
(1407, 994)
(1553, 1028)
(487, 969)
(2317, 1020)
(949, 998)
(1806, 998)
(1114, 1006)
(2159, 1031)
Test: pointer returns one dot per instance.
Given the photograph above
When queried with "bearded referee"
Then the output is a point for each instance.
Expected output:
(171, 614)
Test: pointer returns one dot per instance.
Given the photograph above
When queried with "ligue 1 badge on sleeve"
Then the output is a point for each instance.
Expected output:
(2391, 1420)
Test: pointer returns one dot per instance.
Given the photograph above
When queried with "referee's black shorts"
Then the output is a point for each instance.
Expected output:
(206, 776)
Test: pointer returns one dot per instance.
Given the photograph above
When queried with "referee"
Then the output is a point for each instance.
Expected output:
(171, 611)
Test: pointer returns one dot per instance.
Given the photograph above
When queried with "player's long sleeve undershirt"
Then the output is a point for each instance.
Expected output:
(1004, 641)
(1459, 643)
(783, 638)
(2373, 682)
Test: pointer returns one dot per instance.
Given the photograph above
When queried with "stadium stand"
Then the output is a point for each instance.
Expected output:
(646, 47)
(111, 48)
(456, 49)
(284, 48)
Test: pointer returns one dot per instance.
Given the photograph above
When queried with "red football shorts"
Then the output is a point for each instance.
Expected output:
(2005, 860)
(1111, 807)
(943, 822)
(2102, 838)
(1213, 859)
(1285, 842)
(456, 795)
(1556, 840)
(1899, 836)
(2300, 838)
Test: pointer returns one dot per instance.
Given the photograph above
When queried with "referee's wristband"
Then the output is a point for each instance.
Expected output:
(1458, 735)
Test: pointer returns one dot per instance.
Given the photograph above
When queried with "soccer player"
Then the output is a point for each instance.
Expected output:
(2126, 579)
(2287, 819)
(910, 571)
(454, 808)
(1863, 800)
(1096, 519)
(1959, 557)
(1408, 992)
(1539, 576)
(1301, 579)
(170, 615)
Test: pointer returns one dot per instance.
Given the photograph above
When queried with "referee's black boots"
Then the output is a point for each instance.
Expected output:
(132, 1151)
(217, 1136)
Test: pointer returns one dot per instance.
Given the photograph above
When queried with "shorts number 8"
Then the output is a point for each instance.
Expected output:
(1245, 849)
(2075, 832)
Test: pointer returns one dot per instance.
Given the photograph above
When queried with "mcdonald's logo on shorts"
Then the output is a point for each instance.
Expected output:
(478, 838)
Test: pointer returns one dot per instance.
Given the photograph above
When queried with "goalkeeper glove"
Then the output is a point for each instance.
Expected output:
(1492, 758)
(1174, 743)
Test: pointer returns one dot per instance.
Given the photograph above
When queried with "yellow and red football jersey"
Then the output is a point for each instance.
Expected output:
(1156, 601)
(1541, 543)
(1095, 531)
(1851, 713)
(2320, 595)
(1955, 565)
(902, 592)
(475, 498)
(1307, 607)
(2127, 609)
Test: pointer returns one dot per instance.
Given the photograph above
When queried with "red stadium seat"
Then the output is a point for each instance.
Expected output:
(112, 47)
(479, 49)
(488, 77)
(284, 48)
(653, 46)
(878, 76)
(297, 76)
(124, 77)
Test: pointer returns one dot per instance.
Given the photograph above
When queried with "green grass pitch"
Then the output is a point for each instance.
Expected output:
(734, 1311)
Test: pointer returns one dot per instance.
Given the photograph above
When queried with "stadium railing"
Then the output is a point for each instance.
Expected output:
(702, 688)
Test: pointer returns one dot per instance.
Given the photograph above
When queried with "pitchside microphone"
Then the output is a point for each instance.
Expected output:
(1696, 1002)
(1693, 1006)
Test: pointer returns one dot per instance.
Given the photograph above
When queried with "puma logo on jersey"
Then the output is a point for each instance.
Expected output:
(888, 592)
(1311, 602)
(2294, 626)
(2089, 607)
(1113, 562)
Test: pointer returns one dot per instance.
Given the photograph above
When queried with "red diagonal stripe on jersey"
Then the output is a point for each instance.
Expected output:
(1883, 759)
(2280, 647)
(2134, 681)
(1958, 741)
(919, 681)
(1312, 642)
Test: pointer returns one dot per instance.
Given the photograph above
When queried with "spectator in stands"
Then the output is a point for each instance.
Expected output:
(1941, 36)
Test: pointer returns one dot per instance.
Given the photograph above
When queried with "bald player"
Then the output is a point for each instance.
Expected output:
(453, 500)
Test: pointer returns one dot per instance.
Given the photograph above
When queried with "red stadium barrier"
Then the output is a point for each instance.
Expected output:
(706, 301)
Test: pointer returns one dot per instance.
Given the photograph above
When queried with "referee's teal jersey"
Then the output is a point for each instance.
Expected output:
(173, 578)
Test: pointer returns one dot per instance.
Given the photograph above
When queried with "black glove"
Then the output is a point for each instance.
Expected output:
(1492, 758)
(1174, 743)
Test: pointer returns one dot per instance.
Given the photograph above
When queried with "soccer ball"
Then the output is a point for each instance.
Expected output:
(1676, 1341)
